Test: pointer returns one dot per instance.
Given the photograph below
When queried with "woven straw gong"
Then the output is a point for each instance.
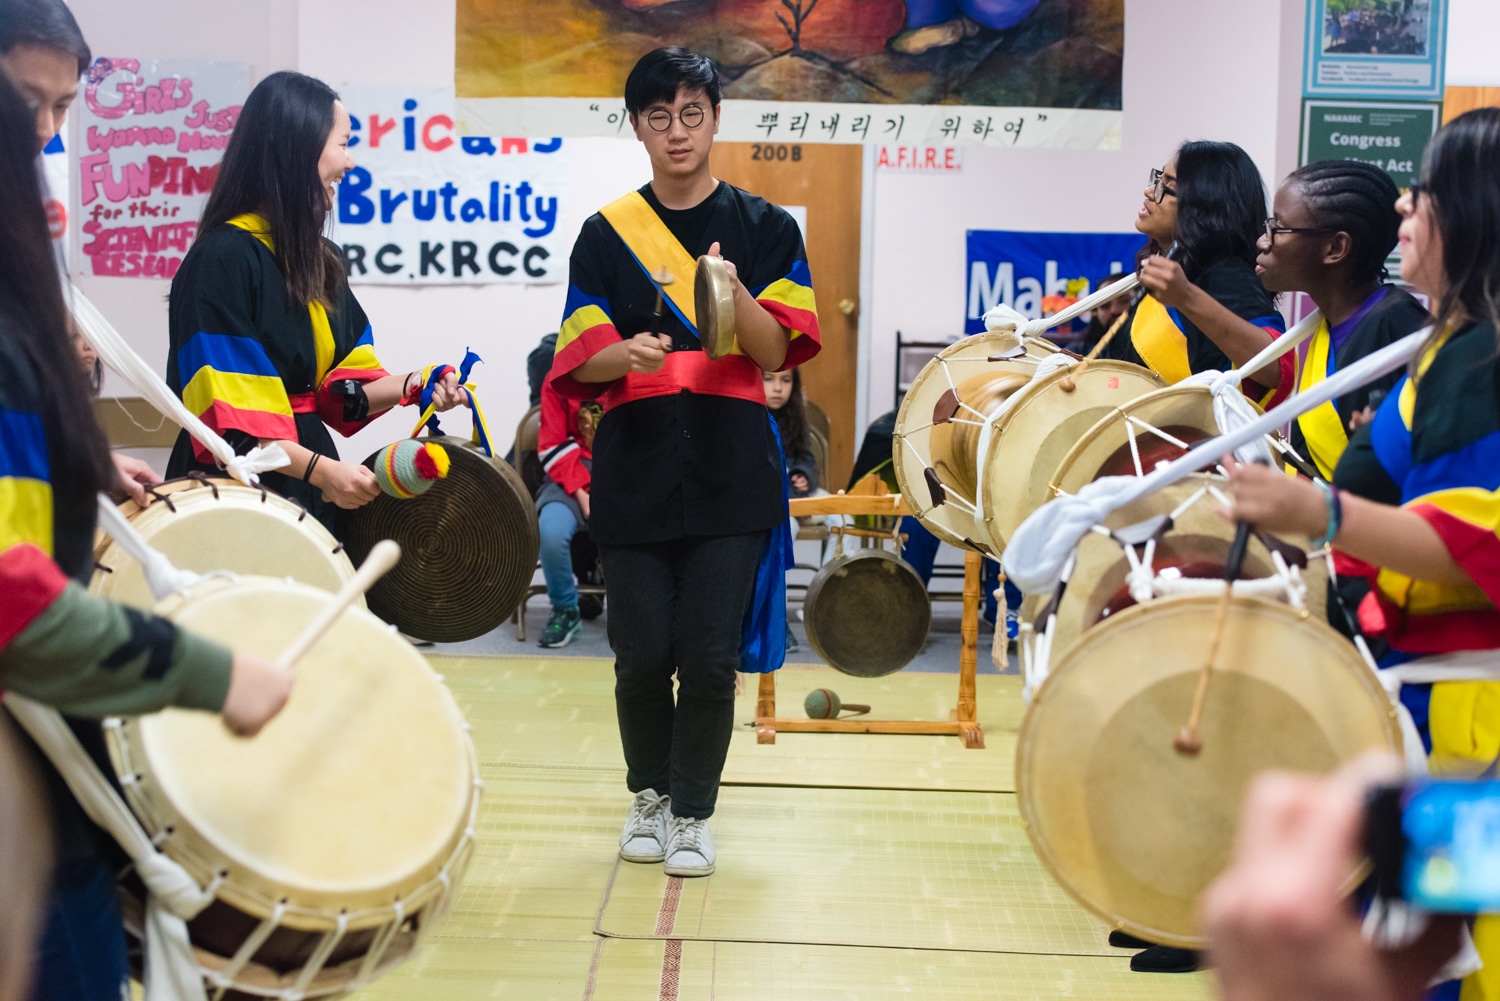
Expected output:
(1134, 831)
(867, 613)
(468, 548)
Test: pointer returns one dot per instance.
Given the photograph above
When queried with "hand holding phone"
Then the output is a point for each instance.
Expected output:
(1435, 843)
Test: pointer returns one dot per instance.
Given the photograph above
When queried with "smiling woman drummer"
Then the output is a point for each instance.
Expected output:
(268, 344)
(1206, 309)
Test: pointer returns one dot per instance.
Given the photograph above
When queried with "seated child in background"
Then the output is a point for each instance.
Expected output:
(565, 445)
(789, 407)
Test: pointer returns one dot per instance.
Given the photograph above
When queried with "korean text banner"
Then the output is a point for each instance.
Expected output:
(1010, 73)
(424, 205)
(1039, 274)
(151, 136)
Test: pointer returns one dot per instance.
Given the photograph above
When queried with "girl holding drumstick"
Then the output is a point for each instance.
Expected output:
(1206, 309)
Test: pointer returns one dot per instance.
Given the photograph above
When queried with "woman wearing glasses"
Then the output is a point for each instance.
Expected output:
(1416, 495)
(1335, 223)
(1206, 309)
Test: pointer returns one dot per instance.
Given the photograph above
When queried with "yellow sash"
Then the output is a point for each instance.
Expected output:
(323, 345)
(1321, 427)
(1159, 342)
(654, 246)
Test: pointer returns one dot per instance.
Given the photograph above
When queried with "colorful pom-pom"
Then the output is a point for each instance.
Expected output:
(410, 467)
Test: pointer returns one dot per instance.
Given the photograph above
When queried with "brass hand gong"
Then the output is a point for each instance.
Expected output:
(713, 300)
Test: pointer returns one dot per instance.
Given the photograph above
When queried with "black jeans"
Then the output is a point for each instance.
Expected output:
(678, 606)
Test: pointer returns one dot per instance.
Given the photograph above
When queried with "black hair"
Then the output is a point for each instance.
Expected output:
(1221, 205)
(792, 419)
(34, 319)
(47, 24)
(1357, 198)
(1460, 182)
(270, 168)
(660, 74)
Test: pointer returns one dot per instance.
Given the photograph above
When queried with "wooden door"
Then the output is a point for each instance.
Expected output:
(825, 180)
(1457, 100)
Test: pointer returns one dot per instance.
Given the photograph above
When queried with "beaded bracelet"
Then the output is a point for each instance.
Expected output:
(1335, 507)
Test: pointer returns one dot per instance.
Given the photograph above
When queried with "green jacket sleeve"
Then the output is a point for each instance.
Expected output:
(89, 656)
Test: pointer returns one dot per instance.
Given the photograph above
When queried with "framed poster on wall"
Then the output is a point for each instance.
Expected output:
(1375, 48)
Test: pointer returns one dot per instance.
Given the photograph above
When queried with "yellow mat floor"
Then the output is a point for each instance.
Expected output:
(851, 866)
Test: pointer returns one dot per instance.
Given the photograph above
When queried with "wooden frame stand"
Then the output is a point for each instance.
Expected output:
(965, 721)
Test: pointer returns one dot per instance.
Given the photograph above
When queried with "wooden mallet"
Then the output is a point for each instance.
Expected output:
(1188, 740)
(382, 558)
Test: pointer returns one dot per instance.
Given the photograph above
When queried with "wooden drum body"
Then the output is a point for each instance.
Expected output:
(468, 547)
(333, 840)
(1036, 431)
(867, 613)
(1133, 438)
(1195, 546)
(207, 524)
(1134, 830)
(936, 440)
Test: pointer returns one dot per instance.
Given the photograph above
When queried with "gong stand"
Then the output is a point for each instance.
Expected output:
(965, 721)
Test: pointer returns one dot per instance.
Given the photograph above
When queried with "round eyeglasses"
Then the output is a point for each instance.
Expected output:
(1159, 189)
(660, 120)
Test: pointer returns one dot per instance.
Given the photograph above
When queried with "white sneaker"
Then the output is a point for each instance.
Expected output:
(690, 848)
(644, 838)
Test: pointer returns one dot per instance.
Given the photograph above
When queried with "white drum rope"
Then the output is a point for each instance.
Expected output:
(173, 896)
(139, 376)
(1000, 316)
(161, 576)
(1036, 553)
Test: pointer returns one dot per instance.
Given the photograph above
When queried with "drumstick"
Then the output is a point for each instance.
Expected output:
(381, 559)
(1188, 740)
(1067, 382)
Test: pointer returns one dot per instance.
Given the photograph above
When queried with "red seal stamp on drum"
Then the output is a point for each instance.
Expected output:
(1114, 382)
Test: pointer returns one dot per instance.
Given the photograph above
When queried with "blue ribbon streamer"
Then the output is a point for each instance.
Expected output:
(763, 635)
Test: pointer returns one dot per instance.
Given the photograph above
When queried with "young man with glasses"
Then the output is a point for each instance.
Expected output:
(687, 474)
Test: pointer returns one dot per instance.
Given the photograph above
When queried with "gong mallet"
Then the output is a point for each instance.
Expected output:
(824, 703)
(382, 558)
(1188, 741)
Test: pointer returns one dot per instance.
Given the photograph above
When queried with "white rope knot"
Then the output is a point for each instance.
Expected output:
(173, 886)
(260, 459)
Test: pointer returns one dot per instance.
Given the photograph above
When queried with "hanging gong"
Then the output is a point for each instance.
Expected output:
(1135, 831)
(468, 547)
(713, 301)
(867, 613)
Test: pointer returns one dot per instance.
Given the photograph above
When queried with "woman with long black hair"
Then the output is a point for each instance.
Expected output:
(1206, 309)
(58, 643)
(268, 343)
(1416, 494)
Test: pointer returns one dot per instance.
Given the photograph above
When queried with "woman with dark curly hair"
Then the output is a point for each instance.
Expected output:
(1206, 309)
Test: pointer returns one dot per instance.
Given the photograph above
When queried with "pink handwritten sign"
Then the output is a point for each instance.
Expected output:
(151, 139)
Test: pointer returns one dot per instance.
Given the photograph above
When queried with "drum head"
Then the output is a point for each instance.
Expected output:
(1184, 412)
(1130, 828)
(923, 467)
(867, 613)
(1037, 430)
(468, 548)
(1197, 545)
(204, 525)
(354, 796)
(713, 301)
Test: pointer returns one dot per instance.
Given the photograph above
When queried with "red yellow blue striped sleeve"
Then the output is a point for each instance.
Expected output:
(790, 300)
(587, 328)
(359, 365)
(25, 482)
(220, 364)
